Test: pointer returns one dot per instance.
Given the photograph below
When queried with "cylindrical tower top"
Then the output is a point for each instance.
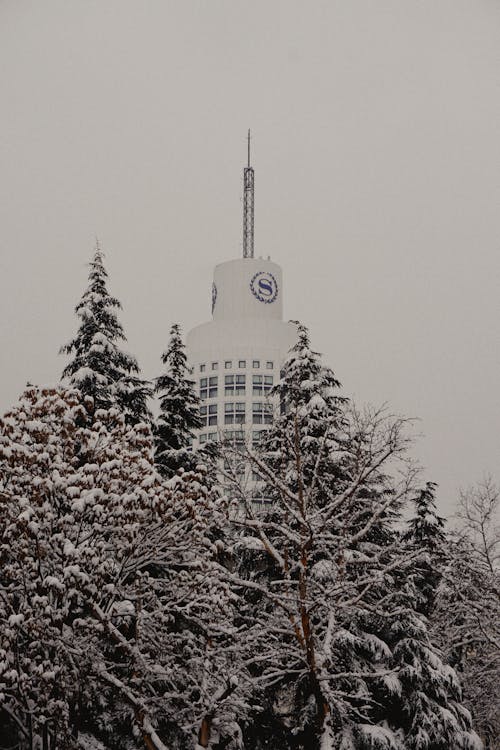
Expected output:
(247, 288)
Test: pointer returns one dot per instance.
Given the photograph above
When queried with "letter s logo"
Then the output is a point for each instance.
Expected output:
(264, 287)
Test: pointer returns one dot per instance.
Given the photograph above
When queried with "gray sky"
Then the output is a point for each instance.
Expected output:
(377, 152)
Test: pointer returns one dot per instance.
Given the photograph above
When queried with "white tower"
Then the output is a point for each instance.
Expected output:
(237, 356)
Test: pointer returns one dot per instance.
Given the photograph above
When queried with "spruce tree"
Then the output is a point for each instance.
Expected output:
(179, 410)
(99, 368)
(425, 532)
(340, 656)
(311, 571)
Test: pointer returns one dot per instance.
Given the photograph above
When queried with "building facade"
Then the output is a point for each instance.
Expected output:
(237, 356)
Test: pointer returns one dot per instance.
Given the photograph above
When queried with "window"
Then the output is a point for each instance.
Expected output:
(203, 437)
(208, 414)
(256, 363)
(215, 365)
(236, 438)
(259, 498)
(262, 413)
(242, 363)
(212, 436)
(234, 385)
(262, 384)
(228, 364)
(234, 413)
(234, 465)
(208, 388)
(269, 365)
(203, 388)
(202, 368)
(257, 435)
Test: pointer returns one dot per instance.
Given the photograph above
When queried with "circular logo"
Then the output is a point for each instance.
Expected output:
(214, 295)
(264, 287)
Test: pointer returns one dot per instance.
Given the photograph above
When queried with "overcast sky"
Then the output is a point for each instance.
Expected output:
(376, 146)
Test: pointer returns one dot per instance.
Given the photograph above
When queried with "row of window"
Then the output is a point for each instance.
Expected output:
(234, 385)
(235, 437)
(235, 413)
(242, 363)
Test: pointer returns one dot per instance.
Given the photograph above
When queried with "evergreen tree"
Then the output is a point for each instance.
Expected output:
(313, 565)
(339, 655)
(179, 410)
(425, 532)
(99, 368)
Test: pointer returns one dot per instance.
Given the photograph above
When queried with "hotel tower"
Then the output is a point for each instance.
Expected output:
(236, 357)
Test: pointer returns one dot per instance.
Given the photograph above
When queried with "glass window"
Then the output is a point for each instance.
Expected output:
(269, 365)
(236, 438)
(203, 437)
(234, 385)
(215, 365)
(242, 363)
(234, 465)
(212, 436)
(202, 368)
(209, 414)
(257, 385)
(228, 364)
(268, 383)
(259, 498)
(208, 388)
(240, 385)
(256, 363)
(262, 413)
(234, 413)
(257, 435)
(203, 388)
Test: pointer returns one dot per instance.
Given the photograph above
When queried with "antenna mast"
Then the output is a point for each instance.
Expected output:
(248, 207)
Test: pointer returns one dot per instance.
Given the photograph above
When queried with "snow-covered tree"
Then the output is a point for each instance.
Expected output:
(115, 617)
(179, 410)
(322, 577)
(466, 620)
(425, 532)
(98, 367)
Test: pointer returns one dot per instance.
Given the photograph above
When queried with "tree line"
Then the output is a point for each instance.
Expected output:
(145, 601)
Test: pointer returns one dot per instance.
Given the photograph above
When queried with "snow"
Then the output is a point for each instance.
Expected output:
(15, 620)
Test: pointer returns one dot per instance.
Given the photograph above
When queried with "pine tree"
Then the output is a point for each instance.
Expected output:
(425, 532)
(99, 368)
(179, 410)
(312, 567)
(340, 656)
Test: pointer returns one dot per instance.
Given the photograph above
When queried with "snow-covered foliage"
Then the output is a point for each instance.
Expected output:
(325, 606)
(99, 368)
(466, 620)
(425, 533)
(179, 410)
(115, 618)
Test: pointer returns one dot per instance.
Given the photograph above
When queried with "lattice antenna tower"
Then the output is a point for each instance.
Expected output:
(248, 207)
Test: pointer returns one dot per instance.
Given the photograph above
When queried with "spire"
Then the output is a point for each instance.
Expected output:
(248, 207)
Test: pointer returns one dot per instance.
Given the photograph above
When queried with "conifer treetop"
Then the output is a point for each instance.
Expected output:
(179, 408)
(99, 368)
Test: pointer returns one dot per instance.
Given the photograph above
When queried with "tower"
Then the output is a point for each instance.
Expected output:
(237, 356)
